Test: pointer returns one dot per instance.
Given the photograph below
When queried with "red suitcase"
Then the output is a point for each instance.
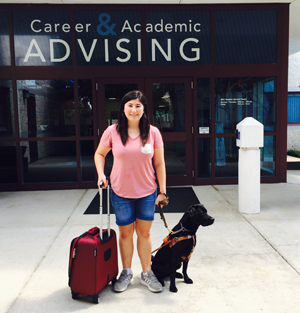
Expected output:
(93, 259)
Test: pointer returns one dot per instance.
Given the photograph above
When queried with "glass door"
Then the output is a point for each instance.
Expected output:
(110, 94)
(170, 104)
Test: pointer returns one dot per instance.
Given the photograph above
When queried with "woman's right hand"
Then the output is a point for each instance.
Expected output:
(102, 179)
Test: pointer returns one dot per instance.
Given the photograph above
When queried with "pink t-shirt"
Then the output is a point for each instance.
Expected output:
(132, 175)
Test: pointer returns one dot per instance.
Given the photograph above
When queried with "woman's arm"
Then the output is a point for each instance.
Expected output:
(160, 168)
(99, 159)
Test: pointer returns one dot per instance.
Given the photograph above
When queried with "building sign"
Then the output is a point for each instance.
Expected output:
(42, 38)
(178, 37)
(112, 37)
(137, 37)
(108, 37)
(235, 101)
(203, 130)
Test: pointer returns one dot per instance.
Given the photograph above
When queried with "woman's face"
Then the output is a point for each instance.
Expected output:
(133, 110)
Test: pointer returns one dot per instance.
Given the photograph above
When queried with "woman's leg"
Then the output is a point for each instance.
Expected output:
(144, 246)
(126, 244)
(144, 243)
(126, 251)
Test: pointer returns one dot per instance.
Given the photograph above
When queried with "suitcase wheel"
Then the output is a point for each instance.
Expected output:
(75, 295)
(96, 298)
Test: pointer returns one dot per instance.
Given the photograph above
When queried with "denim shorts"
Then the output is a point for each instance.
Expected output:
(128, 210)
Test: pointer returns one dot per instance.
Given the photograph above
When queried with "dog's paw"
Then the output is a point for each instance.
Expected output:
(162, 283)
(188, 280)
(179, 275)
(173, 289)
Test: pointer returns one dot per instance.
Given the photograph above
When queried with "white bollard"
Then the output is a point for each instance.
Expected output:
(249, 180)
(249, 137)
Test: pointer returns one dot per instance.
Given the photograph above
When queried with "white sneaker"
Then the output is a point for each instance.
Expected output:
(123, 282)
(151, 282)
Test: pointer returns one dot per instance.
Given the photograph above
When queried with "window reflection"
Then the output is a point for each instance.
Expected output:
(237, 98)
(8, 163)
(175, 158)
(7, 119)
(204, 157)
(226, 157)
(49, 161)
(85, 107)
(220, 151)
(87, 161)
(4, 39)
(267, 155)
(169, 107)
(46, 108)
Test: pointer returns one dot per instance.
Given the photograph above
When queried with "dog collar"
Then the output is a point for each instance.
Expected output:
(181, 229)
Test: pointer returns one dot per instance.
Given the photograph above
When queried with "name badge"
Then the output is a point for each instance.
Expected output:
(147, 148)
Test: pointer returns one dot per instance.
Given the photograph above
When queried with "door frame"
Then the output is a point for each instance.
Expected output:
(187, 136)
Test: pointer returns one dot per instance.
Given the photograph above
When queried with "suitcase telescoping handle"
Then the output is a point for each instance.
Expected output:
(101, 211)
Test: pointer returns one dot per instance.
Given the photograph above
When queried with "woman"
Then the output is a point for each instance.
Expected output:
(135, 144)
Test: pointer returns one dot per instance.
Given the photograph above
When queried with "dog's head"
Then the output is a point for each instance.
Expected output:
(195, 216)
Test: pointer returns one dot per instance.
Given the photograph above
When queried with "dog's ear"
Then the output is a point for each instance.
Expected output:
(192, 210)
(190, 213)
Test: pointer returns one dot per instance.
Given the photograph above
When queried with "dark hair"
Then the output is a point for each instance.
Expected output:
(122, 126)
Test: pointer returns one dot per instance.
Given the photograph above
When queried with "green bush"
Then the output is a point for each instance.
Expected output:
(294, 153)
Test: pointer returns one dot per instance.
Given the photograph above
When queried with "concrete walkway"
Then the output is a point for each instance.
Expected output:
(242, 263)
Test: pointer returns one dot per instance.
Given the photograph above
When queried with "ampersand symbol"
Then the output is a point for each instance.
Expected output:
(104, 19)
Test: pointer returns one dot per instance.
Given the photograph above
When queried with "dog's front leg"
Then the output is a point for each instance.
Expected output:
(174, 267)
(187, 280)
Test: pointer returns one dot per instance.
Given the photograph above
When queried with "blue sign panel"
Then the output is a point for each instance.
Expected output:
(108, 37)
(4, 39)
(178, 37)
(42, 38)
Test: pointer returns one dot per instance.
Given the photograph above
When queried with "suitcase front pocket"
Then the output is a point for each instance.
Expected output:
(107, 254)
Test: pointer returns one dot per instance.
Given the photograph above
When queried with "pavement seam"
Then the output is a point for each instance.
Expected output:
(271, 245)
(47, 250)
(244, 217)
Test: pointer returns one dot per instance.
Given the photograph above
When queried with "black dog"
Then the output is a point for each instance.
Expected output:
(173, 252)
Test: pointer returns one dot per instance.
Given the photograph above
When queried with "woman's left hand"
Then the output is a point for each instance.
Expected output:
(162, 199)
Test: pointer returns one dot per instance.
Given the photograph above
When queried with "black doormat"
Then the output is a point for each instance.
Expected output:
(293, 166)
(180, 199)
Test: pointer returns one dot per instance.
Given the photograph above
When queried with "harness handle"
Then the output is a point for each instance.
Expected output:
(174, 240)
(160, 206)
